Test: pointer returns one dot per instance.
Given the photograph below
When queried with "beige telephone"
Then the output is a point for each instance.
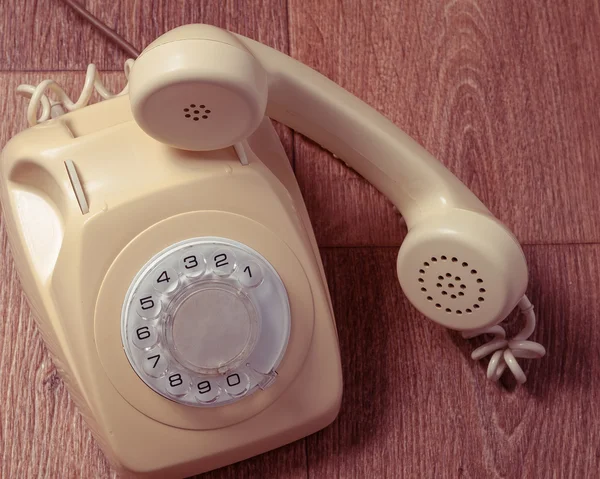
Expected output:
(167, 253)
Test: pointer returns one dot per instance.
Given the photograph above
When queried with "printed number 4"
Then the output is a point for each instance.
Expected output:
(163, 277)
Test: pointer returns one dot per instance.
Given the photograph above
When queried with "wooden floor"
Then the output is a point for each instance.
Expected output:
(507, 95)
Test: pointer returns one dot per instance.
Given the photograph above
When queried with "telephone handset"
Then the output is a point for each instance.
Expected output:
(163, 243)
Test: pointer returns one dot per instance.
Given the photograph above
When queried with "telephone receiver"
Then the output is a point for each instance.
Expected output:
(454, 244)
(163, 243)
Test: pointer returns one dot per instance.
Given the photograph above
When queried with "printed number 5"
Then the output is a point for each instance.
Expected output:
(147, 303)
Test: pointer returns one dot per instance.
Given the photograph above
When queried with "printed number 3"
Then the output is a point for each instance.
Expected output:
(190, 262)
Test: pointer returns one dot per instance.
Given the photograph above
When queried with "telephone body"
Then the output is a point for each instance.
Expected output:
(165, 249)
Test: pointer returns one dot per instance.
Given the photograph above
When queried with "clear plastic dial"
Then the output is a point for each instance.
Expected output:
(206, 322)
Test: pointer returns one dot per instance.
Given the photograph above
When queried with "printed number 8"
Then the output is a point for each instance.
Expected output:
(175, 380)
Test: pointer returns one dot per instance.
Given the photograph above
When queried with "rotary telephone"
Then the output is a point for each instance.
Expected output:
(167, 254)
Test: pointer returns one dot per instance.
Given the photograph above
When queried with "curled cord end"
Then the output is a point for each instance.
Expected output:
(505, 352)
(50, 108)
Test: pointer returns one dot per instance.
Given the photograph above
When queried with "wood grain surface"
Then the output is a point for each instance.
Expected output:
(507, 95)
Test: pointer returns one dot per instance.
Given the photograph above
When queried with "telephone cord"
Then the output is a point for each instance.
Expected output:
(506, 351)
(51, 108)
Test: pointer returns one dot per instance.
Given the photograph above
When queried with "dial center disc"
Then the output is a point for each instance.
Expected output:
(214, 328)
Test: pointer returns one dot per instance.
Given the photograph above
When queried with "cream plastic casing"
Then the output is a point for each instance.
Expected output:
(144, 196)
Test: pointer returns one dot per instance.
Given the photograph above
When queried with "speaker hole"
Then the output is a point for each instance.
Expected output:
(480, 299)
(439, 285)
(448, 275)
(206, 111)
(473, 271)
(454, 260)
(453, 296)
(196, 118)
(421, 280)
(440, 278)
(433, 259)
(424, 289)
(448, 310)
(438, 305)
(465, 265)
(186, 109)
(196, 111)
(444, 293)
(479, 280)
(458, 311)
(444, 258)
(460, 293)
(482, 290)
(202, 106)
(462, 286)
(450, 285)
(476, 306)
(192, 106)
(429, 298)
(204, 116)
(426, 264)
(188, 115)
(457, 278)
(422, 271)
(468, 311)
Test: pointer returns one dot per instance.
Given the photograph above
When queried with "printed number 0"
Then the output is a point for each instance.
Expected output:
(233, 380)
(204, 387)
(175, 380)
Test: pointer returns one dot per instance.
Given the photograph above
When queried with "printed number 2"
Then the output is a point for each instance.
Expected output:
(222, 261)
(163, 277)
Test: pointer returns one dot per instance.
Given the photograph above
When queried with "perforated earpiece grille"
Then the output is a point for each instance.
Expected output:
(196, 112)
(452, 284)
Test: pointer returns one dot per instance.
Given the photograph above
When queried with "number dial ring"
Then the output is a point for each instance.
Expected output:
(159, 236)
(267, 306)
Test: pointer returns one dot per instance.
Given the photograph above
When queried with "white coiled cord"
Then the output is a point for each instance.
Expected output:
(51, 108)
(505, 351)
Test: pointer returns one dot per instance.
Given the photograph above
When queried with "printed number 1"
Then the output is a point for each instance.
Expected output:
(247, 270)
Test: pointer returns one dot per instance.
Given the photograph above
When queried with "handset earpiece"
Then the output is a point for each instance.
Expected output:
(462, 269)
(197, 88)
